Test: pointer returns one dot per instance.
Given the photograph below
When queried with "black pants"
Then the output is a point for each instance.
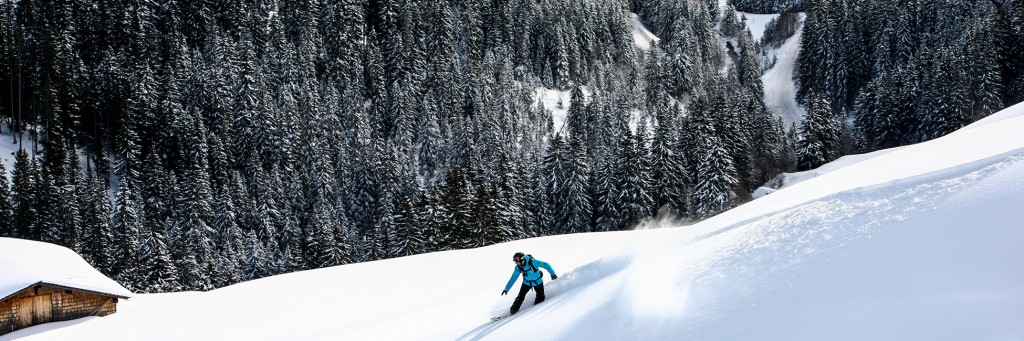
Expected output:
(522, 296)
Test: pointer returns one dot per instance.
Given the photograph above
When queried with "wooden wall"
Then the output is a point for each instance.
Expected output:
(43, 303)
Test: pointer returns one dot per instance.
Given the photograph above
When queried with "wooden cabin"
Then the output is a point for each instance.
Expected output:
(45, 302)
(41, 283)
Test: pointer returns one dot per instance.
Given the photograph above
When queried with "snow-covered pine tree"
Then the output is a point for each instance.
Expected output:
(426, 214)
(292, 240)
(821, 64)
(714, 175)
(161, 274)
(683, 55)
(126, 222)
(768, 152)
(255, 264)
(578, 210)
(98, 247)
(454, 210)
(344, 32)
(156, 191)
(322, 220)
(945, 91)
(251, 101)
(409, 239)
(231, 247)
(6, 209)
(554, 176)
(482, 229)
(193, 205)
(576, 118)
(672, 182)
(73, 206)
(605, 194)
(127, 219)
(749, 69)
(819, 134)
(1009, 34)
(512, 212)
(634, 182)
(983, 69)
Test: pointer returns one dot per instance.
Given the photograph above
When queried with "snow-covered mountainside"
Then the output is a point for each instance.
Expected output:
(924, 242)
(779, 85)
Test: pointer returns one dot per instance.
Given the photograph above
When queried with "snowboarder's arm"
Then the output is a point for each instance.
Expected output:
(511, 281)
(547, 267)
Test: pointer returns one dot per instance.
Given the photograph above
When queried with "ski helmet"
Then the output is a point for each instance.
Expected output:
(517, 256)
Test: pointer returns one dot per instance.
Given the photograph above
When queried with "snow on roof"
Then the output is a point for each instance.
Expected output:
(24, 263)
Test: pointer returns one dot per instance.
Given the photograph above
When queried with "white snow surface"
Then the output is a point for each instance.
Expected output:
(24, 263)
(779, 86)
(790, 179)
(642, 37)
(756, 23)
(556, 101)
(920, 243)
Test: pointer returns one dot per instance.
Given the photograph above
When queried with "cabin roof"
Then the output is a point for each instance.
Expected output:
(25, 263)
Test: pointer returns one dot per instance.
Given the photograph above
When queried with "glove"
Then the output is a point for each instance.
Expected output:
(504, 292)
(554, 277)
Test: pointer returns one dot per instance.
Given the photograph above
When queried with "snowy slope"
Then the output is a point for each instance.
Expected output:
(924, 242)
(779, 85)
(642, 37)
(789, 179)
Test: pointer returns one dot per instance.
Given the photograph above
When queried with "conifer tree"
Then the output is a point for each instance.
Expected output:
(482, 228)
(409, 239)
(255, 263)
(126, 223)
(576, 119)
(671, 180)
(161, 274)
(232, 239)
(985, 79)
(577, 213)
(71, 205)
(605, 194)
(554, 176)
(819, 135)
(293, 257)
(454, 210)
(194, 214)
(1009, 34)
(945, 91)
(99, 246)
(713, 192)
(768, 144)
(6, 211)
(322, 221)
(508, 205)
(634, 178)
(23, 197)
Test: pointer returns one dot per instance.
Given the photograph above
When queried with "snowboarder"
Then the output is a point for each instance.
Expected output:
(532, 278)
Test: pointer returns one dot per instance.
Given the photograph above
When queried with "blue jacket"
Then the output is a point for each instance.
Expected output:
(531, 277)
